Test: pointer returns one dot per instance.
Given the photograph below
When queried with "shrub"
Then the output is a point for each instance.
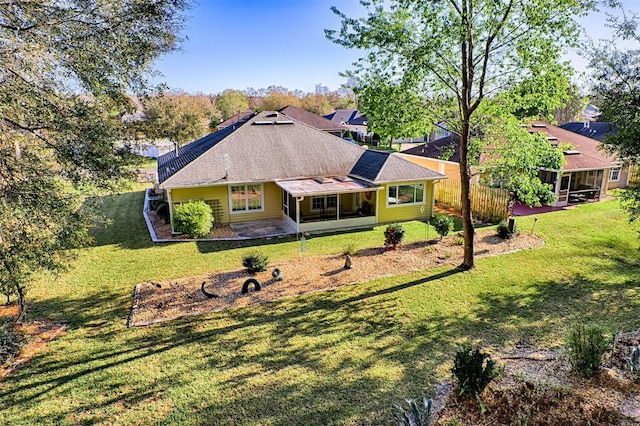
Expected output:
(194, 218)
(393, 235)
(351, 249)
(503, 230)
(255, 262)
(473, 369)
(9, 344)
(443, 224)
(162, 211)
(585, 346)
(414, 415)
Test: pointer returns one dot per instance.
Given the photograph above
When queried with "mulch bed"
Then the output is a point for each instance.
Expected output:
(170, 299)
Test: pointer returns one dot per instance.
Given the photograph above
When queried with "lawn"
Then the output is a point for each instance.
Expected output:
(340, 357)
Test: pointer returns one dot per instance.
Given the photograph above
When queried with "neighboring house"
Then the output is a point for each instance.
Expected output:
(618, 176)
(584, 177)
(276, 167)
(441, 154)
(313, 120)
(352, 120)
(237, 119)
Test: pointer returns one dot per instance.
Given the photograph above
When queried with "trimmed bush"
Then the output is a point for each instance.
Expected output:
(255, 262)
(585, 346)
(443, 224)
(393, 235)
(503, 230)
(193, 218)
(473, 369)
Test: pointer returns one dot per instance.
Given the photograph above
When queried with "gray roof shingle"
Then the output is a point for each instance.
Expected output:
(274, 147)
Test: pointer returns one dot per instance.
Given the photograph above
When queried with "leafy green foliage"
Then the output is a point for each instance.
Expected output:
(503, 230)
(617, 89)
(180, 118)
(393, 235)
(63, 93)
(450, 56)
(443, 224)
(473, 369)
(256, 261)
(585, 346)
(194, 218)
(414, 415)
(232, 102)
(163, 211)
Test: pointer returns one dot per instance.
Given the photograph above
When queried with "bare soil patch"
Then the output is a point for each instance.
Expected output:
(538, 388)
(171, 299)
(36, 335)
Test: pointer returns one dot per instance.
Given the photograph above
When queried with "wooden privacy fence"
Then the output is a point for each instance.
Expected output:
(487, 204)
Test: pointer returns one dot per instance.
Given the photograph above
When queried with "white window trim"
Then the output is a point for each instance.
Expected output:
(416, 203)
(324, 202)
(246, 201)
(619, 169)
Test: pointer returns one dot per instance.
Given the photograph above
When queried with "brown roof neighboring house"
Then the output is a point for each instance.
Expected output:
(312, 119)
(240, 117)
(584, 152)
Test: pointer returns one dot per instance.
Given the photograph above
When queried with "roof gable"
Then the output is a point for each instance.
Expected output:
(311, 119)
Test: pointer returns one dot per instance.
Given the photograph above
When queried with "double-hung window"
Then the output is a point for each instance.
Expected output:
(405, 194)
(327, 202)
(614, 174)
(246, 198)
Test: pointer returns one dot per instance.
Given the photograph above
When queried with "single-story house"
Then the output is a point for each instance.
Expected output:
(618, 176)
(275, 167)
(584, 177)
(353, 120)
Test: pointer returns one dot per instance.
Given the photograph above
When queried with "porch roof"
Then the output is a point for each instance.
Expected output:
(306, 187)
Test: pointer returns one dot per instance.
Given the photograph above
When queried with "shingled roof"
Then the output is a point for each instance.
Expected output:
(446, 148)
(593, 129)
(584, 154)
(274, 147)
(311, 119)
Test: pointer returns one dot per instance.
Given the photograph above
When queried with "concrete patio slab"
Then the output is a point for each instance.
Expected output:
(262, 229)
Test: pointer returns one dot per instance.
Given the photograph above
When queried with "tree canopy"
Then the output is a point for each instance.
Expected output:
(464, 51)
(617, 86)
(65, 70)
(231, 102)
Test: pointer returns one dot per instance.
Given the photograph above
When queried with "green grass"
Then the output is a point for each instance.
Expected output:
(340, 357)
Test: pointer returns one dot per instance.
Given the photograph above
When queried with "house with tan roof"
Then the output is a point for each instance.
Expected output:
(275, 167)
(585, 176)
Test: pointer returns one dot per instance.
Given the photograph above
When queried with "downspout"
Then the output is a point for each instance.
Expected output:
(170, 209)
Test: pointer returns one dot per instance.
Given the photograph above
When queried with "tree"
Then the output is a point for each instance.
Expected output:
(180, 118)
(393, 109)
(316, 103)
(232, 102)
(465, 50)
(279, 98)
(617, 85)
(65, 68)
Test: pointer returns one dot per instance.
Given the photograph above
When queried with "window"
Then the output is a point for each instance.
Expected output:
(246, 198)
(614, 174)
(405, 194)
(327, 202)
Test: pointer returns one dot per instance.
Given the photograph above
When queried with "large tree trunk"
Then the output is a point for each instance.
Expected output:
(465, 198)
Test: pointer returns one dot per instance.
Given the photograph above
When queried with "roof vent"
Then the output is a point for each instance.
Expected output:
(539, 125)
(571, 152)
(322, 179)
(343, 179)
(273, 114)
(552, 138)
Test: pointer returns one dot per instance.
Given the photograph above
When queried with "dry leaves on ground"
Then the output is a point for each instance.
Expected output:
(171, 299)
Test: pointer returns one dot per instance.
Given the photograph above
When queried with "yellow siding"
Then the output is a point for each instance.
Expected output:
(387, 214)
(452, 171)
(272, 201)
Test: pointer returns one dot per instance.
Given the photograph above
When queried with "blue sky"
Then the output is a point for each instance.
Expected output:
(236, 44)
